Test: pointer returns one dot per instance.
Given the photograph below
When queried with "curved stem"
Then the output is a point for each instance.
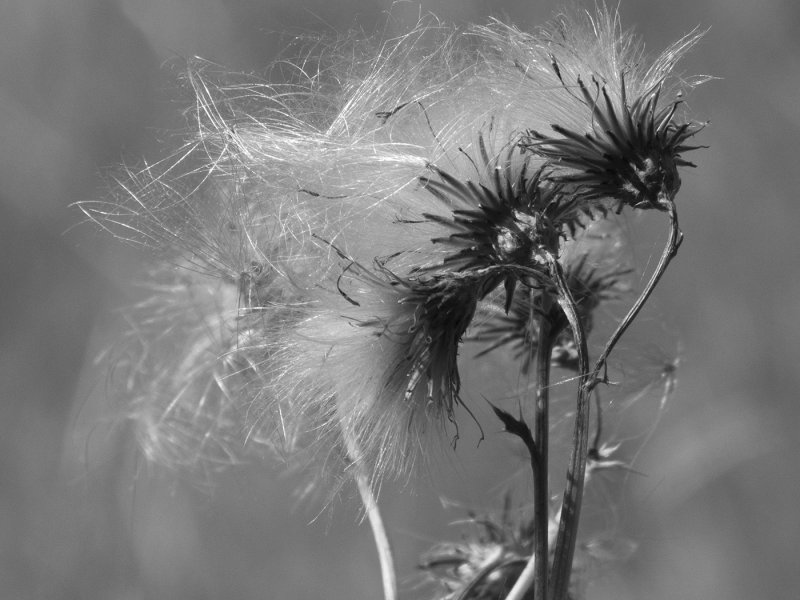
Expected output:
(385, 557)
(670, 250)
(381, 538)
(483, 574)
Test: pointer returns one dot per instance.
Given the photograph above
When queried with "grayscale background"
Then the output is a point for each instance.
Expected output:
(86, 84)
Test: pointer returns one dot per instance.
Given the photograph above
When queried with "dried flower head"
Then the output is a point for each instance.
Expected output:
(486, 563)
(504, 222)
(381, 352)
(632, 157)
(493, 552)
(616, 132)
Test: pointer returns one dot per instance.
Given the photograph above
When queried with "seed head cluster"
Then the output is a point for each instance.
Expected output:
(325, 244)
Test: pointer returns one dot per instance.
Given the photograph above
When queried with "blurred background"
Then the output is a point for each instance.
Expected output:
(87, 84)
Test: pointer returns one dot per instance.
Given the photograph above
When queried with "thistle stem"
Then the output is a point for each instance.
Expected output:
(598, 430)
(573, 491)
(541, 488)
(379, 534)
(536, 571)
(385, 557)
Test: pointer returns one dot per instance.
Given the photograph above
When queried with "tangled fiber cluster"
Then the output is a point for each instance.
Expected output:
(325, 242)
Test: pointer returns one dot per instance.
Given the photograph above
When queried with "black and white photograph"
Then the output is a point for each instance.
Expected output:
(399, 300)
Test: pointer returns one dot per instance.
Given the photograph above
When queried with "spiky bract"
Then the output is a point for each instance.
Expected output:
(617, 137)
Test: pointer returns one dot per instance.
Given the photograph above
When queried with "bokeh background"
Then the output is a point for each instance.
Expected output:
(86, 84)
